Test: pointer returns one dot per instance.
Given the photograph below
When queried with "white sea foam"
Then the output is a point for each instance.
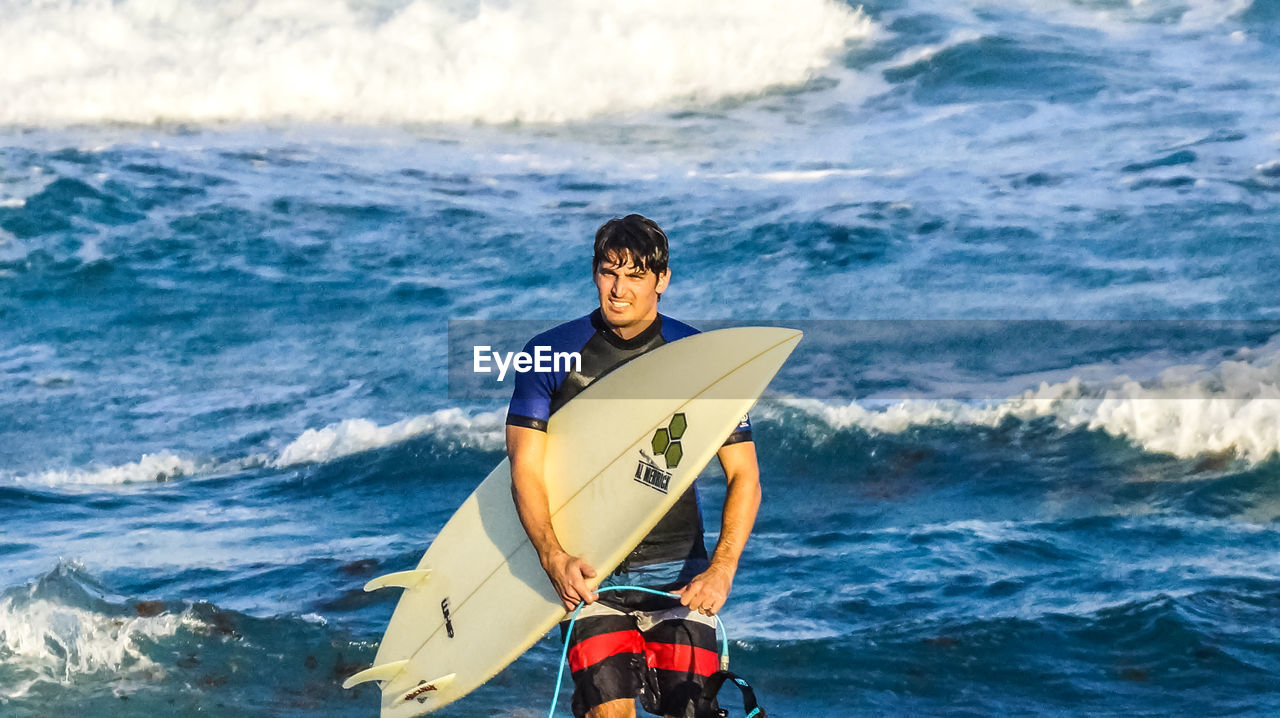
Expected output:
(150, 468)
(60, 641)
(1187, 411)
(786, 175)
(927, 52)
(482, 431)
(22, 357)
(1190, 15)
(1206, 14)
(89, 61)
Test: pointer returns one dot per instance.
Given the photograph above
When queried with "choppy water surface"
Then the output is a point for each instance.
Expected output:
(232, 235)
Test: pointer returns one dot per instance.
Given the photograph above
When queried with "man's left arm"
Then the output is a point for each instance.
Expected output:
(709, 590)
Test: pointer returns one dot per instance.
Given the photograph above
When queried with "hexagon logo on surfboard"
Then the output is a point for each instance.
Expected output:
(665, 443)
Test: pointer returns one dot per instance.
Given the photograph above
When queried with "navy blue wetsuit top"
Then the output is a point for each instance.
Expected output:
(674, 550)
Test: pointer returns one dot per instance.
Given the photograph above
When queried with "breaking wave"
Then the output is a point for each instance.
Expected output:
(143, 61)
(1187, 411)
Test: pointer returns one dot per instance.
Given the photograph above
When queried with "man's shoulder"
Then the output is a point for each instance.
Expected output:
(673, 329)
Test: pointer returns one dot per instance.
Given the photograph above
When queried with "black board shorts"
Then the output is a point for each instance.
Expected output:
(662, 657)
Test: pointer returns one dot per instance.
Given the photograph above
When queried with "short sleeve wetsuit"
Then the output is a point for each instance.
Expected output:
(674, 551)
(629, 644)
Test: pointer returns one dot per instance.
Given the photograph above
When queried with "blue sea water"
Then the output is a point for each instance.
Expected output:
(232, 236)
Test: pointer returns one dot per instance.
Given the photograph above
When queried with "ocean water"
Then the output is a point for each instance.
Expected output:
(1024, 463)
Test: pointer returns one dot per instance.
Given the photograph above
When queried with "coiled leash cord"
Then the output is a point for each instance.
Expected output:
(713, 683)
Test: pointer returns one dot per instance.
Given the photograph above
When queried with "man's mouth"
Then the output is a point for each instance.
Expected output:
(618, 304)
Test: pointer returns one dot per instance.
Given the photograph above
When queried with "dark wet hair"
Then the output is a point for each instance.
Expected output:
(635, 238)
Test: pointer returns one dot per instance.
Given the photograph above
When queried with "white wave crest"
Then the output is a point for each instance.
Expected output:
(481, 431)
(89, 61)
(59, 642)
(351, 436)
(150, 468)
(1186, 412)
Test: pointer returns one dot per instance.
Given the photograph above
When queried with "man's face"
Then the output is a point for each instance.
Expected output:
(628, 294)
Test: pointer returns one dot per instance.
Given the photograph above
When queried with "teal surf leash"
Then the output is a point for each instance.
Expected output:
(564, 652)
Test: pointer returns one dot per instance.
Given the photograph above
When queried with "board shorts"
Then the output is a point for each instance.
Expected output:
(661, 656)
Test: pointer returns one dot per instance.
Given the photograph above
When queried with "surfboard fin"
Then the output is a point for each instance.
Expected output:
(383, 672)
(422, 692)
(403, 579)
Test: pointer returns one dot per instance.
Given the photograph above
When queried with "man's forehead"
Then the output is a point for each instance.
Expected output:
(623, 261)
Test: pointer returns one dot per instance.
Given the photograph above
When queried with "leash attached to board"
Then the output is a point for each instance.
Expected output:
(706, 706)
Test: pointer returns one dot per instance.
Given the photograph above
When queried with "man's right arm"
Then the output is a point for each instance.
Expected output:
(526, 449)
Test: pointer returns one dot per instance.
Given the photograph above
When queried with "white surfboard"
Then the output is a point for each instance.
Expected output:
(615, 464)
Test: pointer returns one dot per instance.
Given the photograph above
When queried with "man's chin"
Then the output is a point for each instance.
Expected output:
(622, 320)
(615, 317)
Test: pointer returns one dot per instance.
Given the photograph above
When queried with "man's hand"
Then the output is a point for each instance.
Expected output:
(569, 576)
(708, 591)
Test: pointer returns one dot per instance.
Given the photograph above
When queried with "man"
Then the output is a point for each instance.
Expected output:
(626, 646)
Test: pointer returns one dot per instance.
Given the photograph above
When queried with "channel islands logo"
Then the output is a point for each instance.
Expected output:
(665, 443)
